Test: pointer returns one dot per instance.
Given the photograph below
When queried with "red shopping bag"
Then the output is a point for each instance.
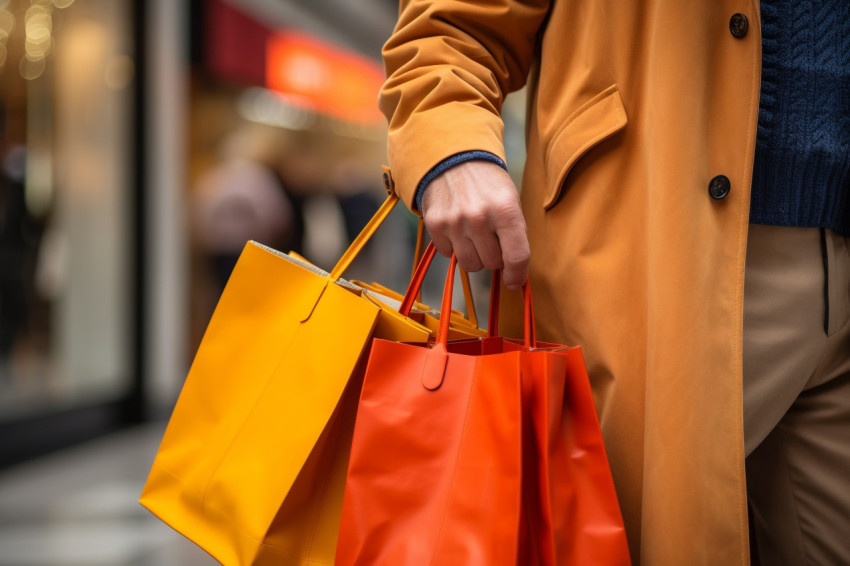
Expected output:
(478, 452)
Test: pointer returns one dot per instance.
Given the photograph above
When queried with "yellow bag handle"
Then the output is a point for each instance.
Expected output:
(472, 317)
(372, 226)
(467, 295)
(363, 237)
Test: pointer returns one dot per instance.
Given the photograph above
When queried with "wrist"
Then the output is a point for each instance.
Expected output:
(450, 162)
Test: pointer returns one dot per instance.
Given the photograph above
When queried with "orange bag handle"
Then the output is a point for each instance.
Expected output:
(415, 286)
(493, 313)
(445, 309)
(530, 338)
(420, 245)
(493, 316)
(471, 316)
(414, 289)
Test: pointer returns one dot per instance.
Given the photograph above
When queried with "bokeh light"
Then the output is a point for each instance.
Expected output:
(39, 27)
(7, 23)
(119, 72)
(31, 69)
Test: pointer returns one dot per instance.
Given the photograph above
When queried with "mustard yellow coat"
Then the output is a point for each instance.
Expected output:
(634, 107)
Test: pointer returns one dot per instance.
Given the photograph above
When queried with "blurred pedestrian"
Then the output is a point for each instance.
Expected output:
(238, 201)
(20, 236)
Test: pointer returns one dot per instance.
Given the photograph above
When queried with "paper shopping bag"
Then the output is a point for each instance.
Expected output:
(462, 455)
(570, 513)
(259, 416)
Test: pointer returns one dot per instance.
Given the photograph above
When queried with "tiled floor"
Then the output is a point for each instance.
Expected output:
(79, 508)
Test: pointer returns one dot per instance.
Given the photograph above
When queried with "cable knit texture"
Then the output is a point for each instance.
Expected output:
(450, 162)
(801, 174)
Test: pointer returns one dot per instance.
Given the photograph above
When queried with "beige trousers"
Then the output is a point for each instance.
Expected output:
(797, 395)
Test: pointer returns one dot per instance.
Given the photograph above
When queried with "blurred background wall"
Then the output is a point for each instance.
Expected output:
(141, 144)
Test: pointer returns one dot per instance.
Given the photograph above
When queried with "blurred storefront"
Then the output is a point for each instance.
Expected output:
(67, 98)
(141, 142)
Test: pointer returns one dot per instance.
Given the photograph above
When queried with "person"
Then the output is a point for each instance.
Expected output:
(684, 217)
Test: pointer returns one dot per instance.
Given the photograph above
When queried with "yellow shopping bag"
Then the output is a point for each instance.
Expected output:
(252, 464)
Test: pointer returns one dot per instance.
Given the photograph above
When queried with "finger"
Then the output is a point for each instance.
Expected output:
(442, 243)
(467, 255)
(515, 254)
(438, 227)
(489, 250)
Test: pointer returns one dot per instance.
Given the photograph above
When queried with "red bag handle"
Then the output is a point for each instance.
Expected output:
(415, 286)
(493, 317)
(528, 308)
(414, 289)
(493, 314)
(446, 306)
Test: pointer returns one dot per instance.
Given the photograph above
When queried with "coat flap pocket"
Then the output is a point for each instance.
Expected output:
(597, 119)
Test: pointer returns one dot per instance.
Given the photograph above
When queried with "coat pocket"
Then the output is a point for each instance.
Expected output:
(599, 118)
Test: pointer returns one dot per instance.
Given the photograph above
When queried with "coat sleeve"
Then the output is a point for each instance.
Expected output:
(449, 64)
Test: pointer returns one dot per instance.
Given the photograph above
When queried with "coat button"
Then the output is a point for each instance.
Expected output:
(739, 25)
(719, 187)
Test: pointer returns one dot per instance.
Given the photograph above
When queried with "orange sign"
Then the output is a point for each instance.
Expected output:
(324, 78)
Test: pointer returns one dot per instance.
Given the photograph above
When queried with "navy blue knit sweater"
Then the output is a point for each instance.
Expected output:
(801, 174)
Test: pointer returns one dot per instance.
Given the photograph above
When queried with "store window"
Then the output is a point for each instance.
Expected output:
(66, 146)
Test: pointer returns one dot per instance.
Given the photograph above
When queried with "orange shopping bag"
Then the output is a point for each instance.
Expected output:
(478, 452)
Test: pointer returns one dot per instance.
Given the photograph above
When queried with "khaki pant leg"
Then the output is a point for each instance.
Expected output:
(797, 395)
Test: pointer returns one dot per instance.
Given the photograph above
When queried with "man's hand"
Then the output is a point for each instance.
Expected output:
(473, 209)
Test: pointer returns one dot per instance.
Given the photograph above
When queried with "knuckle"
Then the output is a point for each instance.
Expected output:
(506, 203)
(436, 223)
(517, 258)
(450, 220)
(516, 251)
(477, 217)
